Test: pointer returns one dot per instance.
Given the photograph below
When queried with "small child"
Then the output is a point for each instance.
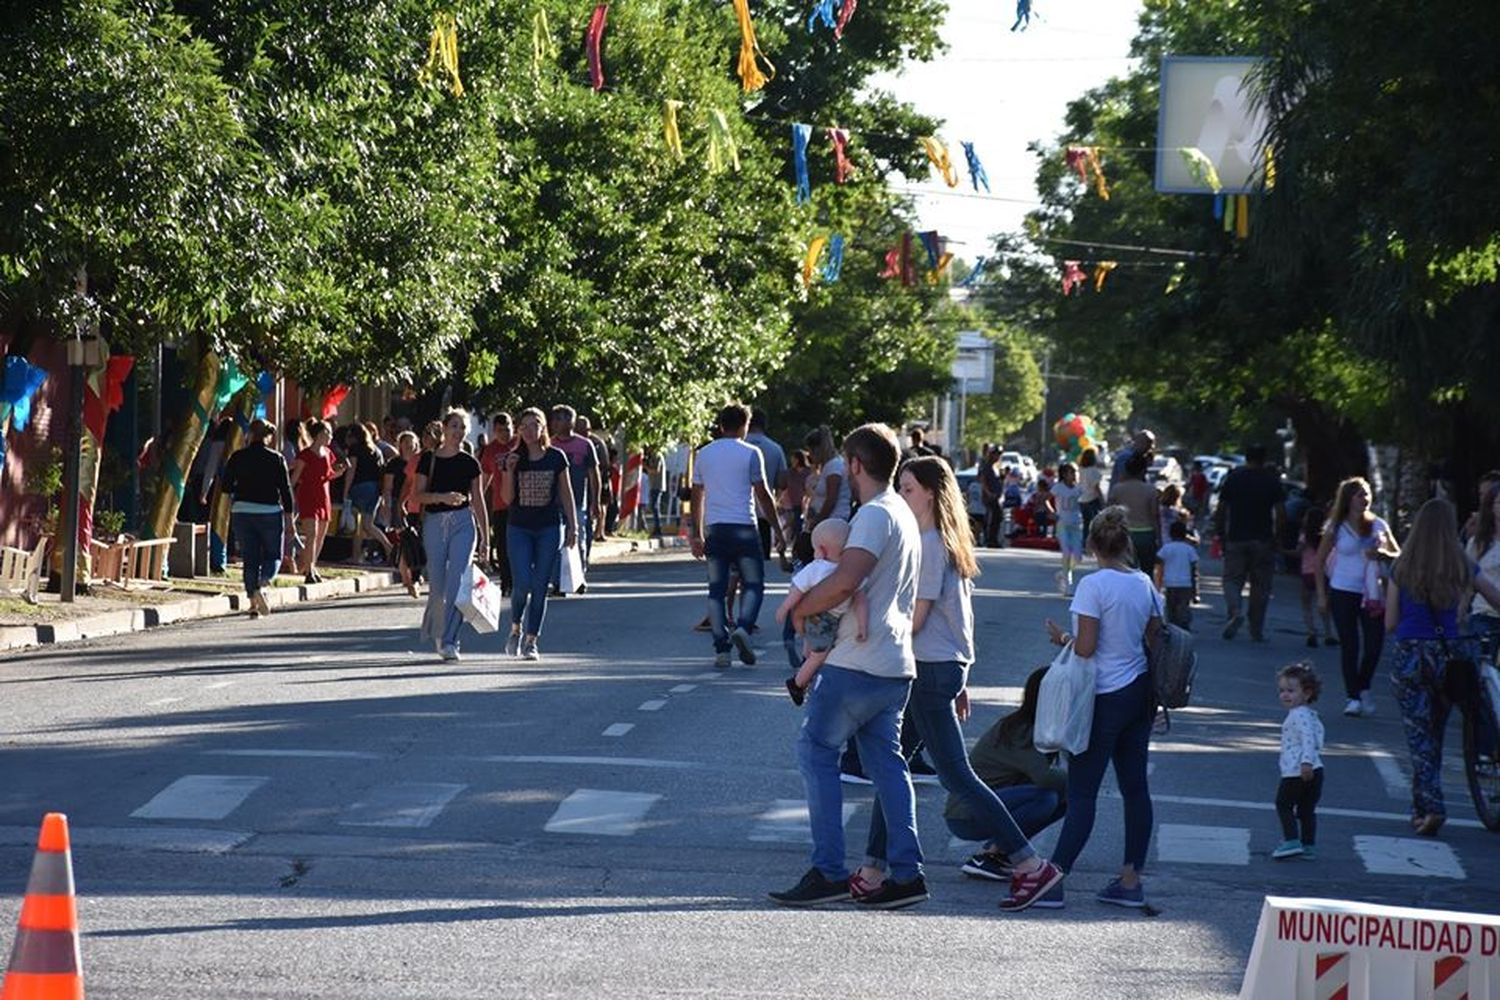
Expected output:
(1307, 550)
(1069, 524)
(1301, 785)
(1177, 575)
(821, 631)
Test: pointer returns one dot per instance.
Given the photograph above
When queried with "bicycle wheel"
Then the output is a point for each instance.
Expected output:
(1482, 758)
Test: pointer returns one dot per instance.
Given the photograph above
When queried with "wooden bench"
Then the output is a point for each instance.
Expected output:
(131, 562)
(21, 571)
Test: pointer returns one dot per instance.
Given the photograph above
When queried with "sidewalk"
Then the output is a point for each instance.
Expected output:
(115, 612)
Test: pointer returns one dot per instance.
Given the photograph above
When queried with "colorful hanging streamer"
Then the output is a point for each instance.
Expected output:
(1101, 271)
(1085, 159)
(801, 135)
(1202, 168)
(1229, 207)
(1174, 279)
(846, 11)
(231, 381)
(542, 45)
(1023, 15)
(977, 176)
(937, 154)
(264, 383)
(898, 261)
(835, 265)
(593, 45)
(442, 53)
(810, 262)
(751, 77)
(1218, 207)
(22, 380)
(938, 258)
(721, 144)
(842, 168)
(1242, 216)
(332, 400)
(669, 128)
(1270, 172)
(974, 275)
(822, 11)
(1073, 276)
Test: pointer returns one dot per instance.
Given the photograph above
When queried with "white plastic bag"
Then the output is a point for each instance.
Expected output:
(1065, 704)
(570, 573)
(479, 600)
(346, 519)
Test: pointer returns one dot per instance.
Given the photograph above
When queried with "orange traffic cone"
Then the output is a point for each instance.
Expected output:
(45, 963)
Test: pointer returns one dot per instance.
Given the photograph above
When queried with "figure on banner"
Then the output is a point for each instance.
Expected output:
(1023, 15)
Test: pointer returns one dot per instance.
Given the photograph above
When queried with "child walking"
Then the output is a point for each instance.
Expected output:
(1068, 497)
(1308, 543)
(1297, 686)
(1177, 575)
(821, 631)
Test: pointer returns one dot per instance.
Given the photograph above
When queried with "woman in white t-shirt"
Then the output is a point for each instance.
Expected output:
(1351, 589)
(1484, 549)
(828, 488)
(1114, 611)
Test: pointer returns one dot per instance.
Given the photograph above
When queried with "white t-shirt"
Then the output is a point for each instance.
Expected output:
(886, 528)
(1489, 565)
(948, 633)
(1177, 561)
(1067, 499)
(1301, 741)
(1346, 563)
(727, 469)
(1123, 601)
(833, 467)
(1091, 481)
(814, 573)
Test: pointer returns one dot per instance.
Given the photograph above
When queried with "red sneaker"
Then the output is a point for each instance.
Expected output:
(1029, 888)
(860, 887)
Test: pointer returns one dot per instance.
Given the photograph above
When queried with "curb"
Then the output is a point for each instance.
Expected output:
(215, 606)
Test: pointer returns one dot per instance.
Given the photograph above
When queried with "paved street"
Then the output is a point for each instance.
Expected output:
(313, 805)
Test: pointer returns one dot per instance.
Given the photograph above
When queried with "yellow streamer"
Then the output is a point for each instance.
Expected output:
(810, 263)
(750, 54)
(1101, 271)
(1101, 186)
(1270, 175)
(1202, 168)
(937, 153)
(669, 126)
(721, 144)
(442, 53)
(1242, 216)
(543, 46)
(941, 266)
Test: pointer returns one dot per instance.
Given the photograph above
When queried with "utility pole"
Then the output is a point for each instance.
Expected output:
(84, 349)
(1046, 388)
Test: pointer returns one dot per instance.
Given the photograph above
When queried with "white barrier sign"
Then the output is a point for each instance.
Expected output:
(1327, 949)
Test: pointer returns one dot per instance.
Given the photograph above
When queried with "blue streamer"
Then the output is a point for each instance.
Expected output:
(822, 11)
(801, 134)
(977, 176)
(979, 266)
(931, 244)
(264, 382)
(1218, 206)
(22, 380)
(835, 263)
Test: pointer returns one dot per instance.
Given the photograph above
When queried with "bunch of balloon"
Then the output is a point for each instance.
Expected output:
(1075, 434)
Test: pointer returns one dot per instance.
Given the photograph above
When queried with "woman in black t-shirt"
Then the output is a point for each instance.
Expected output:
(540, 493)
(362, 488)
(450, 490)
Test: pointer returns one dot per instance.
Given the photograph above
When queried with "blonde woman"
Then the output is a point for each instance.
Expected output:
(1352, 541)
(450, 488)
(943, 643)
(1427, 586)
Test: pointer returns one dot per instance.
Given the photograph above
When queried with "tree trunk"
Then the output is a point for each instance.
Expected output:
(1332, 446)
(178, 453)
(242, 409)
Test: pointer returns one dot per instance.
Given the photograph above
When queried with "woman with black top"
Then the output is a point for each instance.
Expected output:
(261, 514)
(540, 494)
(362, 488)
(451, 491)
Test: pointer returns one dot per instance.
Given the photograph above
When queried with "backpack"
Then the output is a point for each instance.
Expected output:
(1172, 661)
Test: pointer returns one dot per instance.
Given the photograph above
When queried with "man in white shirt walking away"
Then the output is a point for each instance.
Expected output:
(729, 479)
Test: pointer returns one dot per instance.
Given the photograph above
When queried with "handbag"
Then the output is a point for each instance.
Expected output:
(570, 572)
(1065, 704)
(479, 600)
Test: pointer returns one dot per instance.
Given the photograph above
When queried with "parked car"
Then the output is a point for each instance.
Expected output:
(1165, 469)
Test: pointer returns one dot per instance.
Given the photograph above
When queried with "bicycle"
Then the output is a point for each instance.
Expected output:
(1478, 698)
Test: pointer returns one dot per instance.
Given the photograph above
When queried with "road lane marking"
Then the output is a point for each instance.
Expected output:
(646, 762)
(682, 688)
(410, 804)
(787, 822)
(601, 813)
(709, 676)
(1203, 845)
(200, 796)
(162, 701)
(1408, 856)
(654, 705)
(1397, 784)
(321, 754)
(183, 839)
(1194, 800)
(218, 685)
(618, 729)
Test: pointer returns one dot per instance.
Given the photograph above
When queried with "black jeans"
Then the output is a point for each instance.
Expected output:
(1355, 628)
(500, 547)
(1297, 802)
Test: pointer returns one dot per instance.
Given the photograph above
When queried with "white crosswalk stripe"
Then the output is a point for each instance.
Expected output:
(408, 804)
(200, 796)
(601, 813)
(1183, 843)
(1408, 856)
(787, 822)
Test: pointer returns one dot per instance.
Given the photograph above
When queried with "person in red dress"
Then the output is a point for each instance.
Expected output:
(316, 466)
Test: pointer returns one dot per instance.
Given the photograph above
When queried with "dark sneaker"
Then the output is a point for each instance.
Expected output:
(995, 867)
(799, 695)
(1233, 626)
(922, 773)
(813, 890)
(1116, 894)
(1330, 640)
(1312, 642)
(741, 640)
(1029, 889)
(893, 895)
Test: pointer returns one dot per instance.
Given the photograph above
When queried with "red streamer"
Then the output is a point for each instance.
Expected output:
(1073, 276)
(846, 11)
(594, 41)
(842, 168)
(332, 400)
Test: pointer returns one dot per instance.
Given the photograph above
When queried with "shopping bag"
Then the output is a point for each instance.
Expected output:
(346, 520)
(570, 573)
(1065, 704)
(479, 600)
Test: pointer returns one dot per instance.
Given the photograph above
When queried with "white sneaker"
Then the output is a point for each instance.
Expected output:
(1352, 708)
(513, 644)
(1366, 703)
(448, 652)
(529, 650)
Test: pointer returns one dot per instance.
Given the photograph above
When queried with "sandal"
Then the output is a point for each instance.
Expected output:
(1428, 825)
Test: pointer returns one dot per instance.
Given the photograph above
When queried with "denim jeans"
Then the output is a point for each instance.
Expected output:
(500, 547)
(733, 545)
(1032, 807)
(259, 538)
(1255, 562)
(845, 703)
(1121, 734)
(534, 555)
(448, 537)
(1354, 628)
(931, 708)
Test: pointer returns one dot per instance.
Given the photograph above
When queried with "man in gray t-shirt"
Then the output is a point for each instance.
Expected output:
(774, 459)
(862, 688)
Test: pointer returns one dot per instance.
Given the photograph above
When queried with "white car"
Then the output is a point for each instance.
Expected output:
(1164, 469)
(1021, 464)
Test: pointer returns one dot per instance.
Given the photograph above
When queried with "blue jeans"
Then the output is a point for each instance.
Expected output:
(1032, 807)
(845, 703)
(260, 539)
(533, 560)
(931, 708)
(733, 545)
(1121, 734)
(448, 538)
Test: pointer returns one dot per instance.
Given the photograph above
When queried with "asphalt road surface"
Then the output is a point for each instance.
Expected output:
(314, 805)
